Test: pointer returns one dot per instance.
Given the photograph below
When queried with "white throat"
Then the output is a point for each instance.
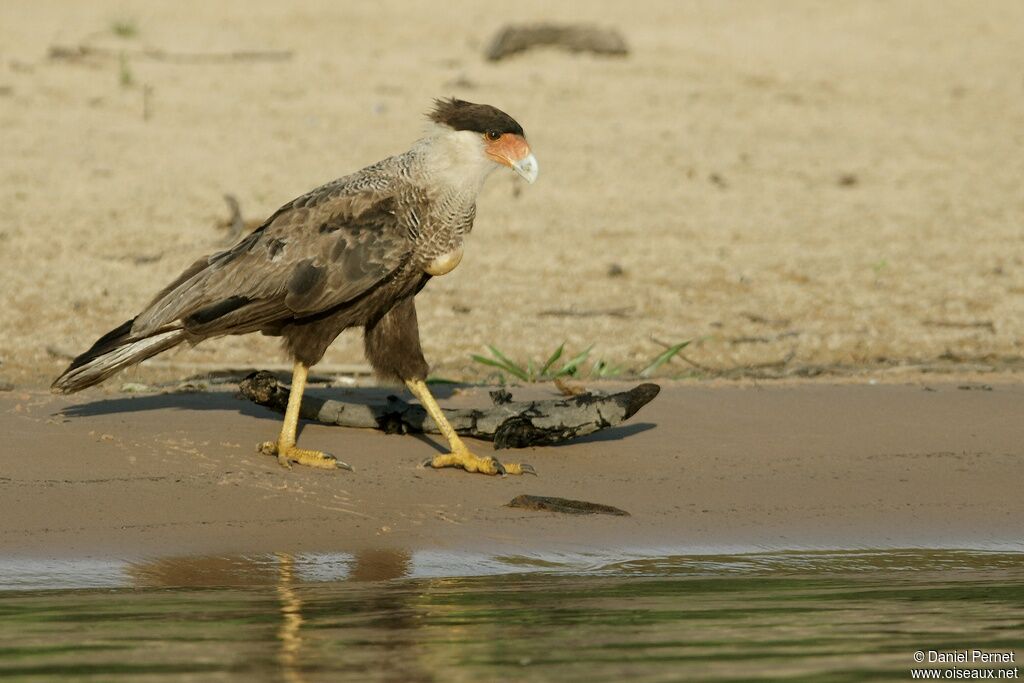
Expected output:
(455, 159)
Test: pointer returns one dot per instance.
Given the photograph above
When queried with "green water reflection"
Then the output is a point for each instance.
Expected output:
(801, 616)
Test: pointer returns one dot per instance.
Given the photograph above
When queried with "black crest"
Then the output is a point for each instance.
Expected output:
(479, 118)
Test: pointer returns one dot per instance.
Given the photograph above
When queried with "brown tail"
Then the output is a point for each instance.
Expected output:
(113, 352)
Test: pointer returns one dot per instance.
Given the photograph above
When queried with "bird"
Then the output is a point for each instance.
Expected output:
(351, 253)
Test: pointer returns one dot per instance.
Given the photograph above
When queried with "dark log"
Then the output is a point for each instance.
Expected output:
(513, 39)
(510, 424)
(566, 506)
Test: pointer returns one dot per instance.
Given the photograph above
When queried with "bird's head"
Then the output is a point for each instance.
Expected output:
(484, 135)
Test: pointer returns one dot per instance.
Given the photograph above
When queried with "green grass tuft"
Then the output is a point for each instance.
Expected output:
(663, 357)
(124, 28)
(531, 373)
(550, 369)
(126, 77)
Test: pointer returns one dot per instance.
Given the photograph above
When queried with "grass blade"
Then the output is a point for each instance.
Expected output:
(663, 358)
(501, 366)
(551, 361)
(603, 369)
(512, 365)
(572, 366)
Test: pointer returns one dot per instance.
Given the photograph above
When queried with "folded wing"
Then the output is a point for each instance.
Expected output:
(322, 250)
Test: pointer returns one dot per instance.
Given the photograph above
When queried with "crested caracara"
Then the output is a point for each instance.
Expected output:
(351, 253)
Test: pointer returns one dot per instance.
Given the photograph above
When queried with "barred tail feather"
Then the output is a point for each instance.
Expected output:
(113, 352)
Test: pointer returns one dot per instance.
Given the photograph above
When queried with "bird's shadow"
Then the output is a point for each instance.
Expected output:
(228, 401)
(173, 401)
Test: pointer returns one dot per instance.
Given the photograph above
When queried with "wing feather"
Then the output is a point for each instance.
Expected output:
(317, 252)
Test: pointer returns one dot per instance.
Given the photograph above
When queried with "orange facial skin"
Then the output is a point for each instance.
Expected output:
(507, 149)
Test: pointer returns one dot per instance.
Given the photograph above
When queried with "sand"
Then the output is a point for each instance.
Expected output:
(796, 187)
(780, 182)
(700, 470)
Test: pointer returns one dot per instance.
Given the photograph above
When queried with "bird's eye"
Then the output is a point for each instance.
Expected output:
(492, 135)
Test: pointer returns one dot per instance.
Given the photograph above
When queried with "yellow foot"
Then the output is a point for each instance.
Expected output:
(302, 456)
(474, 463)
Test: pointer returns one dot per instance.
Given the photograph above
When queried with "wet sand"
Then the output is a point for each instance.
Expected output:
(701, 469)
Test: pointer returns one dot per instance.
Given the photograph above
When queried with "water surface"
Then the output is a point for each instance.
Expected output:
(396, 616)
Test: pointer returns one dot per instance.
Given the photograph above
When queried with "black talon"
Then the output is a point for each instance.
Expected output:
(498, 466)
(528, 469)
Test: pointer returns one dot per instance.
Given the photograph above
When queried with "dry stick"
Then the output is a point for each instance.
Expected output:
(738, 371)
(622, 312)
(510, 425)
(235, 224)
(81, 51)
(683, 358)
(982, 324)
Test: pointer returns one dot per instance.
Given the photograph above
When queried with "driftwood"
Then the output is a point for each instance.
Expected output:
(575, 38)
(510, 424)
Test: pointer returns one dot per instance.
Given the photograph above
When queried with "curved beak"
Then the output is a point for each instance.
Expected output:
(526, 167)
(513, 151)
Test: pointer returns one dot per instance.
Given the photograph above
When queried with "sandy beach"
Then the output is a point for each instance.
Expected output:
(799, 190)
(812, 187)
(816, 205)
(700, 470)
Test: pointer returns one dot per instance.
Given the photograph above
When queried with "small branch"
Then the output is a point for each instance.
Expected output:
(79, 52)
(621, 312)
(761, 320)
(509, 424)
(736, 341)
(682, 357)
(234, 224)
(957, 325)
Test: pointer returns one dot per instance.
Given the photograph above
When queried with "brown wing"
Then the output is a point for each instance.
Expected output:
(325, 248)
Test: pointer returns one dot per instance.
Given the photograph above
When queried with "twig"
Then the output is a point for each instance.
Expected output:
(760, 319)
(736, 341)
(982, 324)
(621, 312)
(567, 389)
(684, 358)
(235, 224)
(78, 52)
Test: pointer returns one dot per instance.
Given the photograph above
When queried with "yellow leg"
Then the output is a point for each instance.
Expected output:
(460, 455)
(284, 448)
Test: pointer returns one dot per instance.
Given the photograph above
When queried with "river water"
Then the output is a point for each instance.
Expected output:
(397, 616)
